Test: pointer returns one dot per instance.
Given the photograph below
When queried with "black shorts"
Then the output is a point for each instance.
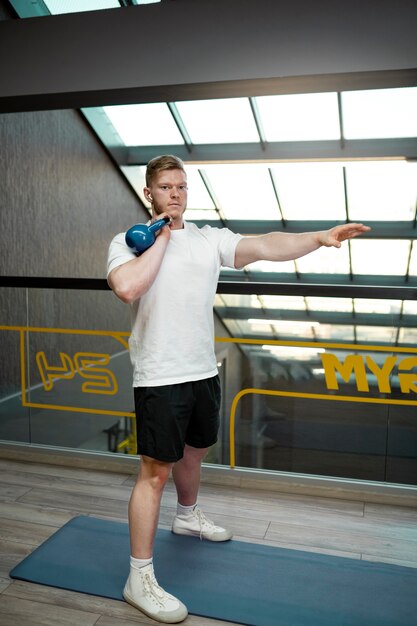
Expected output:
(170, 416)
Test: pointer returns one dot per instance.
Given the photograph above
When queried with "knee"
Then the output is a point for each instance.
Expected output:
(155, 473)
(194, 456)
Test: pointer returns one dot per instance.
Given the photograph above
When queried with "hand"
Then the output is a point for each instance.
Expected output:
(334, 236)
(165, 230)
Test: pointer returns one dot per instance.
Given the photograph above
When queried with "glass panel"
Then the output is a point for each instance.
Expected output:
(299, 117)
(227, 120)
(381, 191)
(409, 307)
(413, 262)
(381, 307)
(14, 417)
(303, 400)
(376, 334)
(136, 176)
(144, 124)
(234, 187)
(381, 258)
(198, 196)
(335, 332)
(285, 267)
(237, 300)
(378, 113)
(329, 304)
(78, 6)
(310, 192)
(325, 261)
(296, 303)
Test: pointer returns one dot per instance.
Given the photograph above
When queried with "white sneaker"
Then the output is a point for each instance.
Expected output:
(144, 593)
(198, 525)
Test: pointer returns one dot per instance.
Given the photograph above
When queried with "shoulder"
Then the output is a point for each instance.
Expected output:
(119, 252)
(212, 233)
(118, 239)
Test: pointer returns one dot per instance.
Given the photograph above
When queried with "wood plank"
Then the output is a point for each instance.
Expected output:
(11, 553)
(38, 614)
(25, 532)
(74, 474)
(10, 493)
(345, 539)
(110, 609)
(76, 503)
(31, 513)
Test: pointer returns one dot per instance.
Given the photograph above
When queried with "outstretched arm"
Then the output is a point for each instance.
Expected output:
(280, 246)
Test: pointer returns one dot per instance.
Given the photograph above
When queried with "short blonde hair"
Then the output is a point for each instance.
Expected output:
(160, 163)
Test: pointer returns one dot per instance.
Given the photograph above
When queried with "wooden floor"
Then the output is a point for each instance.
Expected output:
(37, 499)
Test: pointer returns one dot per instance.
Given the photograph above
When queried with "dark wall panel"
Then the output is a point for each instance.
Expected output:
(61, 199)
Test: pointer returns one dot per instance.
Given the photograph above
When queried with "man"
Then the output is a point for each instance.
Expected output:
(171, 289)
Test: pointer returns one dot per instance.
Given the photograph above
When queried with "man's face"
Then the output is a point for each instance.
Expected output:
(168, 194)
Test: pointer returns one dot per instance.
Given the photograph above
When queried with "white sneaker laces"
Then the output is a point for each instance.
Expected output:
(152, 588)
(204, 522)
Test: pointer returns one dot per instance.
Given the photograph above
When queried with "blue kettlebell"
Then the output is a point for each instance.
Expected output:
(140, 237)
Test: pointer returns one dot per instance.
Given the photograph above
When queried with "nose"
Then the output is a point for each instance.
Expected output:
(174, 192)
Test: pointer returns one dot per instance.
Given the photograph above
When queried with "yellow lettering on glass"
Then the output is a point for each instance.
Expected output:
(101, 380)
(87, 364)
(51, 373)
(353, 365)
(408, 382)
(382, 373)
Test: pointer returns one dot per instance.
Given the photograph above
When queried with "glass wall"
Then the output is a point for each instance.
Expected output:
(317, 384)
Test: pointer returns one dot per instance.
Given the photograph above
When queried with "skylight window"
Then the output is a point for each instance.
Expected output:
(342, 305)
(244, 191)
(380, 257)
(384, 191)
(227, 120)
(312, 191)
(56, 7)
(325, 261)
(380, 113)
(78, 6)
(381, 307)
(144, 124)
(299, 117)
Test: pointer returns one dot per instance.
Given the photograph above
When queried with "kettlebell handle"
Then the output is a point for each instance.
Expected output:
(159, 224)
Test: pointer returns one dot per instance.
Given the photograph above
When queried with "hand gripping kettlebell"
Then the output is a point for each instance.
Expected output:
(140, 237)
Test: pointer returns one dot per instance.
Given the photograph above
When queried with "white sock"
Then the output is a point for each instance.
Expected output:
(185, 510)
(138, 563)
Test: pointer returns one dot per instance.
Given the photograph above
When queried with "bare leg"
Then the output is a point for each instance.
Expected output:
(186, 474)
(144, 505)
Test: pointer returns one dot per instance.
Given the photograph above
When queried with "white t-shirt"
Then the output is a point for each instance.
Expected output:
(172, 338)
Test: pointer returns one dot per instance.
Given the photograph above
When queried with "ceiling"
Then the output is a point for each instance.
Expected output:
(294, 163)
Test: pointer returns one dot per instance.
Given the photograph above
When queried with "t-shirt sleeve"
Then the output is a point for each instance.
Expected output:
(119, 253)
(227, 247)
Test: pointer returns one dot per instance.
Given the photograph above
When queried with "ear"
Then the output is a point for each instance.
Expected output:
(147, 194)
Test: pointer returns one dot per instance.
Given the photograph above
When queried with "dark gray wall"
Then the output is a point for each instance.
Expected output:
(151, 51)
(61, 199)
